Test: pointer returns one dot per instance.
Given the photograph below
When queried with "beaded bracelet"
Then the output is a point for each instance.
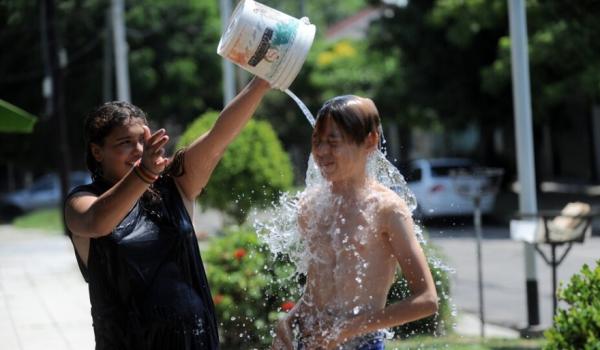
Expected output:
(144, 175)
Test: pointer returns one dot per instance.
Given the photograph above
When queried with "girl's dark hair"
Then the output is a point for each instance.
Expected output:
(356, 116)
(101, 121)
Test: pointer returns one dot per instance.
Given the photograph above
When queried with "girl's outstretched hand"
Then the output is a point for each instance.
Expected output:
(153, 159)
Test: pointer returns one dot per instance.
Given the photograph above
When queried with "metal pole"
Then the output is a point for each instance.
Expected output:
(228, 69)
(524, 140)
(554, 264)
(477, 222)
(121, 48)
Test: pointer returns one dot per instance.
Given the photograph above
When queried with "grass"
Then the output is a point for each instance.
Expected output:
(455, 342)
(44, 220)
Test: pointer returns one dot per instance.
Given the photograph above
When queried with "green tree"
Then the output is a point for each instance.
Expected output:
(455, 59)
(441, 60)
(252, 173)
(173, 65)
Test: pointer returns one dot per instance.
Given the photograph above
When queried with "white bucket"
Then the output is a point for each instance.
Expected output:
(266, 42)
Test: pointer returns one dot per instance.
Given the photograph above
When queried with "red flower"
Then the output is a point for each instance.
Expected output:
(287, 306)
(218, 298)
(239, 253)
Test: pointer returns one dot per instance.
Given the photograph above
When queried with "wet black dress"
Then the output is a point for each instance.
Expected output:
(147, 284)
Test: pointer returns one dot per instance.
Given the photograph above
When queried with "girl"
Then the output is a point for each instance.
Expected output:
(131, 227)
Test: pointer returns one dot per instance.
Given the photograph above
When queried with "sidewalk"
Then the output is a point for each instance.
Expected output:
(43, 298)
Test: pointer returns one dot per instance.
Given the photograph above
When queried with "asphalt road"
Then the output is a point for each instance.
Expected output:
(503, 271)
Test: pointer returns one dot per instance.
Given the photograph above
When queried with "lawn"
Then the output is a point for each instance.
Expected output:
(49, 220)
(456, 342)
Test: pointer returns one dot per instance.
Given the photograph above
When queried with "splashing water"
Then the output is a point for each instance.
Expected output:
(280, 231)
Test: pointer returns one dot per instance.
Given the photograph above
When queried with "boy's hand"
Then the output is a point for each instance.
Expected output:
(152, 158)
(284, 338)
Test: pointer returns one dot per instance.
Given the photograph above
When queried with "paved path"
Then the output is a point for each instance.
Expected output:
(43, 299)
(504, 273)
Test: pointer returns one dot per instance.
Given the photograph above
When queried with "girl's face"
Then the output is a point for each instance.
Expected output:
(121, 149)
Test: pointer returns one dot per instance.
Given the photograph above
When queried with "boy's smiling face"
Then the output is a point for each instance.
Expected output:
(338, 157)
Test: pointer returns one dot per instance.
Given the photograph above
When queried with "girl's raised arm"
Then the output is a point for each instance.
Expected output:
(203, 155)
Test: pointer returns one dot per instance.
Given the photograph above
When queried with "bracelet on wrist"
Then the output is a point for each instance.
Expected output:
(144, 176)
(147, 174)
(147, 171)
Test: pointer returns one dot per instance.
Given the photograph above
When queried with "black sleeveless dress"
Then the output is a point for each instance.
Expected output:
(147, 284)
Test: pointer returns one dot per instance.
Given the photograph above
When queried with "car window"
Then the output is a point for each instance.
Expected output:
(445, 170)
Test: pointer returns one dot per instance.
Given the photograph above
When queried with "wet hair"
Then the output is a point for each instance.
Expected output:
(356, 116)
(101, 121)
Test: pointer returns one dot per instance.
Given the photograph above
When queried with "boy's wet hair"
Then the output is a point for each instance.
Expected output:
(356, 116)
(101, 121)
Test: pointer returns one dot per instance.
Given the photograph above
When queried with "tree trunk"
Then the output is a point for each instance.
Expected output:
(55, 102)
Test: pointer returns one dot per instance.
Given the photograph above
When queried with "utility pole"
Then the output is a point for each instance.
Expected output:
(121, 48)
(228, 72)
(54, 92)
(107, 58)
(524, 139)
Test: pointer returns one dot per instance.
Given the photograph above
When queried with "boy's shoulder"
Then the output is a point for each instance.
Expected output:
(388, 201)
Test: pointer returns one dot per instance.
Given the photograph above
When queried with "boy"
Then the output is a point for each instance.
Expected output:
(356, 232)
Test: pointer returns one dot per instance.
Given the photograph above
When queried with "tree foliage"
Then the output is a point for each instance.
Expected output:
(173, 65)
(253, 171)
(456, 70)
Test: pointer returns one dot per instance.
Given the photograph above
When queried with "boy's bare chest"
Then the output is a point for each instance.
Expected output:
(352, 228)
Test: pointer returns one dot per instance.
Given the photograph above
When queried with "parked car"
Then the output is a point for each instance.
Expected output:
(43, 193)
(440, 192)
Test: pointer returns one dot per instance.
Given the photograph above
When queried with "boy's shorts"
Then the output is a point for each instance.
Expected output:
(371, 341)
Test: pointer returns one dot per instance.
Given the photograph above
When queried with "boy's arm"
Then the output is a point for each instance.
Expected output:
(284, 335)
(422, 302)
(203, 155)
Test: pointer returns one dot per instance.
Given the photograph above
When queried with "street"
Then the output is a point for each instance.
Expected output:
(503, 272)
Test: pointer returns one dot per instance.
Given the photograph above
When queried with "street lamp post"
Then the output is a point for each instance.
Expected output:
(524, 140)
(475, 184)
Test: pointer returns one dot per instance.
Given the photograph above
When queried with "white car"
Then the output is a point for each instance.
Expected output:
(43, 193)
(441, 191)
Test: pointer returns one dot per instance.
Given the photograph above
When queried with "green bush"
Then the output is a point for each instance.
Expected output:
(441, 322)
(578, 327)
(254, 170)
(249, 288)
